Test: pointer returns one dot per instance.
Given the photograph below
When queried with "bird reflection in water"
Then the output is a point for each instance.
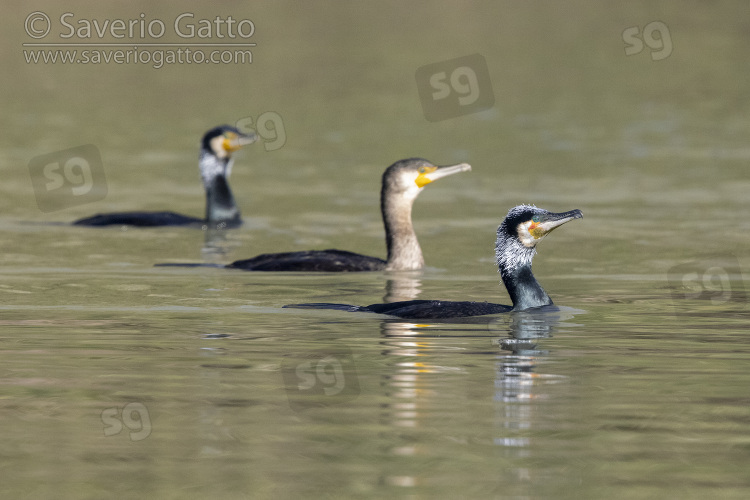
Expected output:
(415, 389)
(403, 286)
(518, 386)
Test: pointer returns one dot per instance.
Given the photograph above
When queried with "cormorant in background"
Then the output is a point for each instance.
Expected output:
(402, 183)
(215, 164)
(521, 230)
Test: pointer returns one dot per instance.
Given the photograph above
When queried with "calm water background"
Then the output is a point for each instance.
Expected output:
(637, 388)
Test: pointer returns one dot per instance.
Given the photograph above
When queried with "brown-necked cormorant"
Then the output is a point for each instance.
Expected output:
(215, 164)
(402, 183)
(519, 233)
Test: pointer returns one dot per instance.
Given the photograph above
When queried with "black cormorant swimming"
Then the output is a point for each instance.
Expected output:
(402, 183)
(519, 233)
(215, 164)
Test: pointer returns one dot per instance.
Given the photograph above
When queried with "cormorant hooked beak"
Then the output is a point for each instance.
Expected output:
(236, 140)
(429, 174)
(532, 231)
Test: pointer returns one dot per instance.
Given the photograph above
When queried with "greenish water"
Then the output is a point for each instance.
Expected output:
(637, 388)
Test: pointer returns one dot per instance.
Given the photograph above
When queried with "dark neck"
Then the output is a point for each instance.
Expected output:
(404, 253)
(523, 288)
(220, 204)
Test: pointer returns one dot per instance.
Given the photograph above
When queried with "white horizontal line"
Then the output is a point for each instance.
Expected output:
(139, 44)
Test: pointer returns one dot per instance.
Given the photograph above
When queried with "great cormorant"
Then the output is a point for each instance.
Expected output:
(215, 164)
(519, 233)
(402, 183)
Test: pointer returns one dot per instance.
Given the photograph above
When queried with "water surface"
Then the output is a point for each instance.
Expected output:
(636, 388)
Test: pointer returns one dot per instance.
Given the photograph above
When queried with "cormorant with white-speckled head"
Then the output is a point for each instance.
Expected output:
(215, 164)
(521, 230)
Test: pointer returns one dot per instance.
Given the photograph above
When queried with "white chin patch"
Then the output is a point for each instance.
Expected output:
(217, 146)
(411, 188)
(525, 236)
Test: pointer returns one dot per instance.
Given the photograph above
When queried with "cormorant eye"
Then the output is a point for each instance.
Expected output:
(422, 170)
(536, 219)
